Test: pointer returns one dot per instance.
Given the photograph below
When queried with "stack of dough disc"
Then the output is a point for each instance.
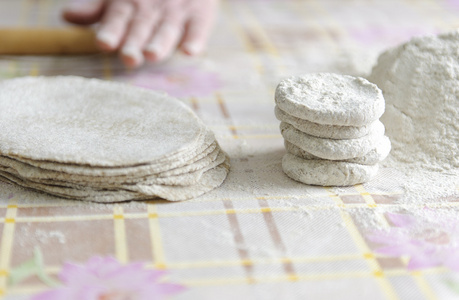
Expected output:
(331, 128)
(101, 141)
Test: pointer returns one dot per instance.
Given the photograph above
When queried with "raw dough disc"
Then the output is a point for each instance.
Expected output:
(209, 181)
(376, 155)
(135, 171)
(322, 130)
(92, 122)
(332, 149)
(69, 181)
(33, 172)
(325, 172)
(85, 194)
(330, 99)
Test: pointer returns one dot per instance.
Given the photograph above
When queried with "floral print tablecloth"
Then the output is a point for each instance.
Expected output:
(261, 235)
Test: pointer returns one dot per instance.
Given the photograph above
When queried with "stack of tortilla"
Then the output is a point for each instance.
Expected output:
(102, 141)
(331, 127)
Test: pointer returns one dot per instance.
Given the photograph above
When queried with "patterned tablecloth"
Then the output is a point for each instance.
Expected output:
(261, 235)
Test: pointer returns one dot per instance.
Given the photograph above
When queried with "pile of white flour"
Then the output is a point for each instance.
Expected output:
(420, 82)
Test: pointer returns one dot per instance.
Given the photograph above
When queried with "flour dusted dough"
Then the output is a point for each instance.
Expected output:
(324, 131)
(209, 181)
(376, 155)
(92, 122)
(325, 172)
(179, 165)
(52, 177)
(329, 148)
(93, 140)
(419, 80)
(330, 99)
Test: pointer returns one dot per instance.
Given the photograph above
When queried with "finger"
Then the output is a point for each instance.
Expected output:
(138, 34)
(84, 13)
(114, 24)
(165, 39)
(197, 33)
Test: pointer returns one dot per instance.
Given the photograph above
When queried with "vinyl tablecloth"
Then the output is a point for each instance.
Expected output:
(260, 235)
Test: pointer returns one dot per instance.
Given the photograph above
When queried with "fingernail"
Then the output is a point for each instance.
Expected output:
(153, 49)
(192, 48)
(134, 53)
(107, 38)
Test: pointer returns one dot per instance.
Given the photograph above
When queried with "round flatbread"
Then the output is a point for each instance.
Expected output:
(181, 162)
(329, 148)
(326, 172)
(209, 181)
(187, 177)
(330, 99)
(322, 130)
(376, 155)
(92, 122)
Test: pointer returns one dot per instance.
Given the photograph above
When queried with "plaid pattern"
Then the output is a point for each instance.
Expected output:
(261, 235)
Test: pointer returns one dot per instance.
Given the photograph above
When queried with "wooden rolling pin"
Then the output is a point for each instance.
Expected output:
(42, 41)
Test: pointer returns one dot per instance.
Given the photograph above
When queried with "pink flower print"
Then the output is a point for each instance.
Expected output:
(430, 239)
(178, 82)
(104, 278)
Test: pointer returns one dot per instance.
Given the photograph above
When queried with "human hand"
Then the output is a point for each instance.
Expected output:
(146, 29)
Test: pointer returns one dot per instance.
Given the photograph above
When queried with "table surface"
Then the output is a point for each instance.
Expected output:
(260, 235)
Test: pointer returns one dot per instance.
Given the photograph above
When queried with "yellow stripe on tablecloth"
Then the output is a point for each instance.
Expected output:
(6, 246)
(121, 247)
(236, 27)
(12, 69)
(225, 281)
(107, 67)
(159, 257)
(252, 261)
(419, 278)
(424, 285)
(283, 278)
(225, 113)
(266, 42)
(52, 270)
(258, 261)
(263, 37)
(325, 14)
(377, 272)
(142, 215)
(365, 195)
(34, 70)
(305, 6)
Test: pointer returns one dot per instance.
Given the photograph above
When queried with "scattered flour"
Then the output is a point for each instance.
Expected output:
(45, 236)
(419, 81)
